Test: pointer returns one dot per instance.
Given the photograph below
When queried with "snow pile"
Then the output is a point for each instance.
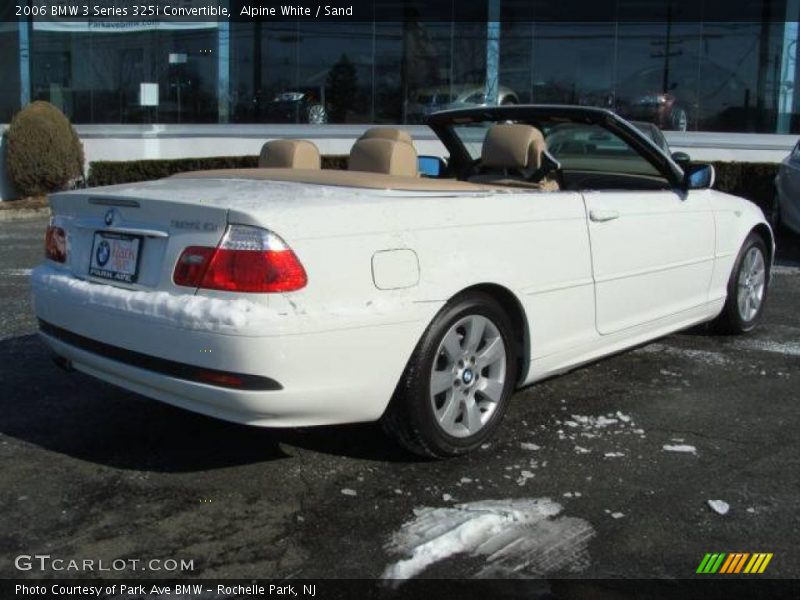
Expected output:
(515, 535)
(185, 310)
(719, 506)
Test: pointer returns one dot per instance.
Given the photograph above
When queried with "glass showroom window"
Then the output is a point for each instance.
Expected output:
(9, 70)
(123, 73)
(302, 72)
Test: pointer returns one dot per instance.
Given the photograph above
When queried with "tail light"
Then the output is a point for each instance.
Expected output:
(248, 259)
(55, 244)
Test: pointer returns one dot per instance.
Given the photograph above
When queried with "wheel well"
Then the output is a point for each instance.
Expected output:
(513, 308)
(766, 234)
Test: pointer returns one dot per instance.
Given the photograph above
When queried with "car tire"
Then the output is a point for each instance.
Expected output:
(747, 289)
(457, 384)
(679, 119)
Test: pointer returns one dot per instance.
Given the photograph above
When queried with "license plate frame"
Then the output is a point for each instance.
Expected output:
(122, 250)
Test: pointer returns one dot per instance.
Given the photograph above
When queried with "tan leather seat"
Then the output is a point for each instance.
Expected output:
(381, 155)
(387, 133)
(511, 153)
(289, 154)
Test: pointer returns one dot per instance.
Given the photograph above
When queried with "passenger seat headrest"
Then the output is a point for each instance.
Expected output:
(387, 133)
(513, 146)
(379, 155)
(289, 154)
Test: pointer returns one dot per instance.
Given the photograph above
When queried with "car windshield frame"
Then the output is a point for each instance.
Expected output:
(444, 125)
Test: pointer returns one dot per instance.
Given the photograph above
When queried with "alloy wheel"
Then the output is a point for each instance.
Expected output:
(751, 283)
(468, 376)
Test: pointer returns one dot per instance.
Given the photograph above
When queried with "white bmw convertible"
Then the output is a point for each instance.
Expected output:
(290, 295)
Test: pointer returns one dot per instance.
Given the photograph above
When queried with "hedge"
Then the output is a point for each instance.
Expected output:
(754, 181)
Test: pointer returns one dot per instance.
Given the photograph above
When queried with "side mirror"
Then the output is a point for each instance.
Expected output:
(699, 177)
(431, 166)
(682, 159)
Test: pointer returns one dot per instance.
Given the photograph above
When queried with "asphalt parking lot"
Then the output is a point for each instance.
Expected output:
(628, 451)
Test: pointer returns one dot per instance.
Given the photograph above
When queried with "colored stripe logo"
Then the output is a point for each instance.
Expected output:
(734, 563)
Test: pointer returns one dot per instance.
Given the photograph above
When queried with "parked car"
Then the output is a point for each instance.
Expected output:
(704, 96)
(429, 100)
(298, 105)
(297, 296)
(786, 208)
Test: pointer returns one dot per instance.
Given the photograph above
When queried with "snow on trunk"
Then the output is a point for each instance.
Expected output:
(515, 535)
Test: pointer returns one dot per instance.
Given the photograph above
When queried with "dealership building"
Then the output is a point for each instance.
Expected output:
(242, 79)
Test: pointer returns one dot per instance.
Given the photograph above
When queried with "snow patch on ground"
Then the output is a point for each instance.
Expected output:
(784, 270)
(719, 506)
(524, 476)
(686, 448)
(516, 536)
(715, 359)
(15, 272)
(786, 348)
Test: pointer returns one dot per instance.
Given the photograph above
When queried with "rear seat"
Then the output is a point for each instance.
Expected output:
(384, 150)
(289, 154)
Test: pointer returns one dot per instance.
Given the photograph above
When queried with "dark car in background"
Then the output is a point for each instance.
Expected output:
(786, 208)
(298, 105)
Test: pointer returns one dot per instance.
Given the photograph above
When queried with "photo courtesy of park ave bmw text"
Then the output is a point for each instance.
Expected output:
(398, 299)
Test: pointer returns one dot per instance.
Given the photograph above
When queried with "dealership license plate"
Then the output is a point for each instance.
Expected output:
(115, 256)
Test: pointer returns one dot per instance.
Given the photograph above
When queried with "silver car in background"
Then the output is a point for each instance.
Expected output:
(426, 101)
(786, 209)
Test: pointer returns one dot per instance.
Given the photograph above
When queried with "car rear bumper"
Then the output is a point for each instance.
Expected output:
(297, 379)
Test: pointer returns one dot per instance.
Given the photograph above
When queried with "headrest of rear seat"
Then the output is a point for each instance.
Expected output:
(379, 155)
(513, 146)
(387, 133)
(289, 154)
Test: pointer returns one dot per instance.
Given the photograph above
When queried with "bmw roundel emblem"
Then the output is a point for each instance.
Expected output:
(103, 253)
(109, 217)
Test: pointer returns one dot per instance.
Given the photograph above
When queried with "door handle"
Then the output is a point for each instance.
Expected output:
(602, 215)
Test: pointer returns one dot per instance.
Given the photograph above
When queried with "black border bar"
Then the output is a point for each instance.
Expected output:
(413, 11)
(158, 365)
(714, 588)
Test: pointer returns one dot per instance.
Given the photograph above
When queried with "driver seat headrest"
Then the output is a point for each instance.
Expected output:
(513, 146)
